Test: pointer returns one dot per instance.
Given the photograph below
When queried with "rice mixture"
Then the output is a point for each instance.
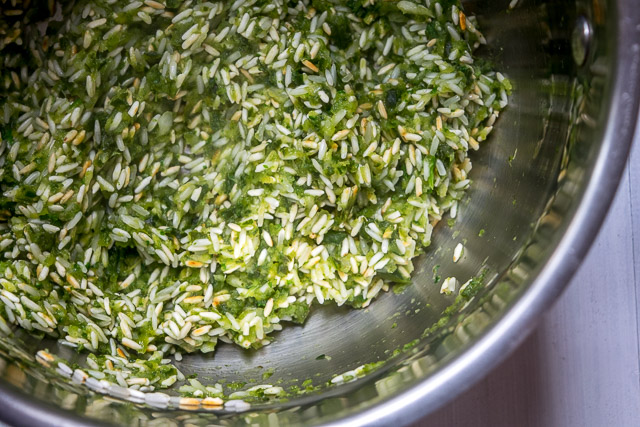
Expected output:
(175, 174)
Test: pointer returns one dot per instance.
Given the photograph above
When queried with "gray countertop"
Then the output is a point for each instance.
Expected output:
(581, 365)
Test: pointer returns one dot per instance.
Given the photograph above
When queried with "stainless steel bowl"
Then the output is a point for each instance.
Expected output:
(542, 186)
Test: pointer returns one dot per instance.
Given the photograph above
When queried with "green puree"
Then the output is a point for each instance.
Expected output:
(175, 174)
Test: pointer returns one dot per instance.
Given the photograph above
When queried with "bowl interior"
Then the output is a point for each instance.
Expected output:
(508, 224)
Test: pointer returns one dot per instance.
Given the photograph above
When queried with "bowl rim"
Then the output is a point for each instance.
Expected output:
(520, 319)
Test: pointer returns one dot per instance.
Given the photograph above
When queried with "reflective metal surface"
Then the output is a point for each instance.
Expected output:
(581, 39)
(542, 185)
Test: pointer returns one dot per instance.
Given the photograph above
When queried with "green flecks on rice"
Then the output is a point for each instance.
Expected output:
(177, 174)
